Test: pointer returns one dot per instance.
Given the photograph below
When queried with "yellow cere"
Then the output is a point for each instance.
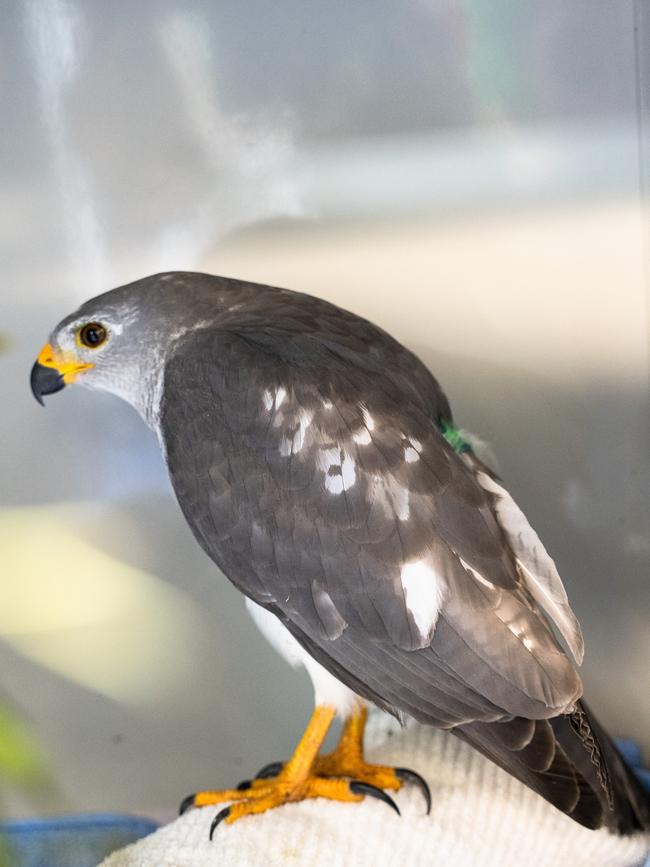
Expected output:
(65, 363)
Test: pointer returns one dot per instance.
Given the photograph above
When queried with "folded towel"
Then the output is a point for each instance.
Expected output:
(481, 817)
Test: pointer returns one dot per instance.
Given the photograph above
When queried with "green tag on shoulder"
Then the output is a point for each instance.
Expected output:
(453, 436)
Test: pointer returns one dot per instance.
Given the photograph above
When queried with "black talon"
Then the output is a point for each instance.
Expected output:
(245, 784)
(359, 788)
(409, 776)
(268, 771)
(186, 803)
(223, 814)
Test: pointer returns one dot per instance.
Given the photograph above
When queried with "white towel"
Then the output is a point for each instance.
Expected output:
(481, 817)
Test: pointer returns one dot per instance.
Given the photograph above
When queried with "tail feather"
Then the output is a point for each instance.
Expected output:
(571, 762)
(596, 757)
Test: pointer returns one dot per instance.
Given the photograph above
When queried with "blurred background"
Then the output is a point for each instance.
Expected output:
(470, 174)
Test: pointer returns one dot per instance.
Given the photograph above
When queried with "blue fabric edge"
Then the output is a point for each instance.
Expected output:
(81, 822)
(631, 751)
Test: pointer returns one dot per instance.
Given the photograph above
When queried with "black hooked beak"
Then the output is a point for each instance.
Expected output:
(45, 380)
(53, 371)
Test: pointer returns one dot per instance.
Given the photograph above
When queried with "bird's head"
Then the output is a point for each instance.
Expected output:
(117, 342)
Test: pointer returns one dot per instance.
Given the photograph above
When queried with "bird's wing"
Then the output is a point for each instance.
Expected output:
(324, 489)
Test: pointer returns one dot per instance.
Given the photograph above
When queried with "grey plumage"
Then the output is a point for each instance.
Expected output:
(307, 450)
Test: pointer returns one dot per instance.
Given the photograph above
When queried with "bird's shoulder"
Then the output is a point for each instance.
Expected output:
(266, 328)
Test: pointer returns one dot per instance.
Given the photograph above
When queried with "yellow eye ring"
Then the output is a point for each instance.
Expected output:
(92, 335)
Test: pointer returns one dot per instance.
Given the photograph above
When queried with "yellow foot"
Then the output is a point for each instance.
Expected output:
(377, 776)
(341, 764)
(355, 767)
(297, 780)
(263, 795)
(347, 761)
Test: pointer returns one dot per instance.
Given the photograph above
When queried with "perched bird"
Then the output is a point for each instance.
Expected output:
(319, 466)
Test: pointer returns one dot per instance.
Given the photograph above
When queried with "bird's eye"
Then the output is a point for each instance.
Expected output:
(92, 335)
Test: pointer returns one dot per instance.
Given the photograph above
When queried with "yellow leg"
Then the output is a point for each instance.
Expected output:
(347, 760)
(302, 761)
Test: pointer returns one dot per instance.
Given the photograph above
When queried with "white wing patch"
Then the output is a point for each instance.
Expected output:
(339, 468)
(423, 591)
(280, 395)
(412, 448)
(291, 445)
(274, 401)
(363, 437)
(536, 567)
